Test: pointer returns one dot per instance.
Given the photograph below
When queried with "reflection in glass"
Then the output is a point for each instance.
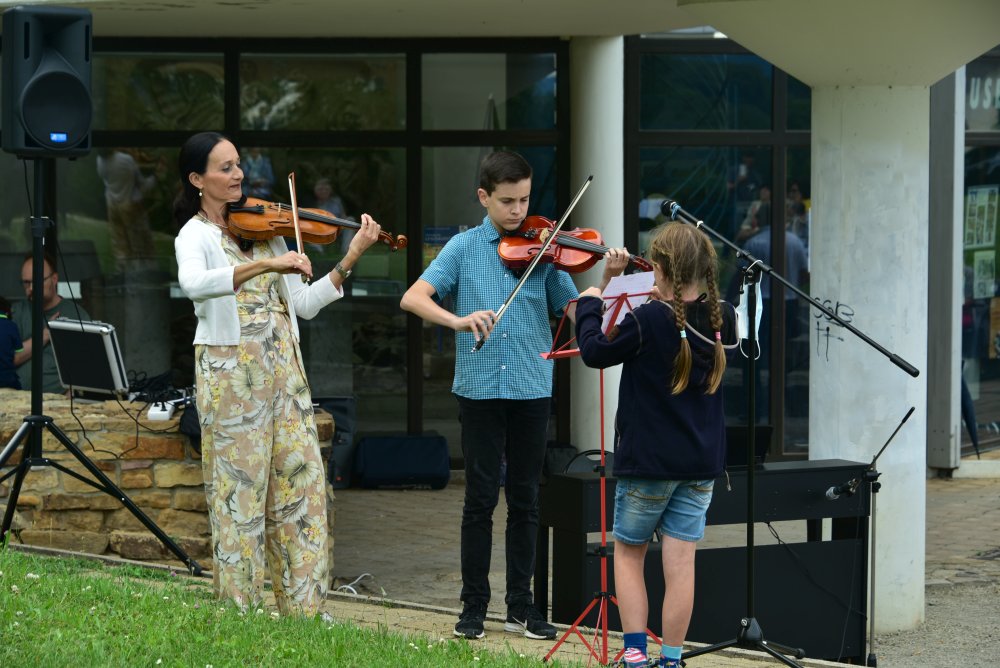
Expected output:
(160, 91)
(357, 345)
(980, 309)
(799, 105)
(489, 91)
(797, 310)
(982, 95)
(116, 241)
(328, 92)
(726, 187)
(704, 92)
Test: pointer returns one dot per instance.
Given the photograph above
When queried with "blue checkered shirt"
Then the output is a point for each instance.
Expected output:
(509, 365)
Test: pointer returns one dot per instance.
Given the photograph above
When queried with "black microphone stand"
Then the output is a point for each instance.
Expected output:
(750, 634)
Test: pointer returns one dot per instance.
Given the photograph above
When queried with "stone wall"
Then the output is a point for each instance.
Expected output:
(157, 468)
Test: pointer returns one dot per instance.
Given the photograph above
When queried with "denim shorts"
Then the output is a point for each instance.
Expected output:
(674, 508)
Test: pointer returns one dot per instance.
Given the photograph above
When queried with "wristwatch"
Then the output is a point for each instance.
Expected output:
(344, 273)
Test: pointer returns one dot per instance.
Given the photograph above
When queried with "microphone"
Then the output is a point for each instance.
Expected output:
(670, 208)
(848, 489)
(674, 211)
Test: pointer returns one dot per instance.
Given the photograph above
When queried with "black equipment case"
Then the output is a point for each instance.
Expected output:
(402, 462)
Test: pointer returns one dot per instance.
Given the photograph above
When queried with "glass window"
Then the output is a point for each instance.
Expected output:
(357, 345)
(799, 105)
(728, 188)
(161, 91)
(15, 227)
(489, 91)
(323, 92)
(704, 92)
(981, 304)
(116, 240)
(795, 270)
(982, 95)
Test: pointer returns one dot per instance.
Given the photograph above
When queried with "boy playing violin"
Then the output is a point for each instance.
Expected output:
(503, 390)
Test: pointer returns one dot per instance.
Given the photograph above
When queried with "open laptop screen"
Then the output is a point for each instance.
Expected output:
(88, 356)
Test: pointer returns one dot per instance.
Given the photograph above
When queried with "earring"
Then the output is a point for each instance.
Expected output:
(199, 193)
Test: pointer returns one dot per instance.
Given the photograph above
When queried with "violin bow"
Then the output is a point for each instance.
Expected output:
(538, 256)
(295, 219)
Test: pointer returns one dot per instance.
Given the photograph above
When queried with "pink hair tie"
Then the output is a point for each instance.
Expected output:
(718, 336)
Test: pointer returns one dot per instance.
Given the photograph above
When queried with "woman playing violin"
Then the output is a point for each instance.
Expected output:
(264, 479)
(503, 390)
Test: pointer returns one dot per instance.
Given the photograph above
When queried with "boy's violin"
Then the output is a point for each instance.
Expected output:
(573, 251)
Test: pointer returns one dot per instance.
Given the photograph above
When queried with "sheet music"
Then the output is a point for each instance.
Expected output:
(636, 287)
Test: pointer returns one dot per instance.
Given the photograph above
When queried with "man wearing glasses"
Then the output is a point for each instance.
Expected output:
(53, 306)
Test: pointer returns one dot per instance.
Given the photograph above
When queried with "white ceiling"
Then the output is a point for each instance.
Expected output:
(378, 18)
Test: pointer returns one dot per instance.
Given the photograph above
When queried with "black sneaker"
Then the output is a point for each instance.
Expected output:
(527, 620)
(470, 623)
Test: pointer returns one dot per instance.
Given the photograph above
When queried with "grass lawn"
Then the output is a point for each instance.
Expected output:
(65, 612)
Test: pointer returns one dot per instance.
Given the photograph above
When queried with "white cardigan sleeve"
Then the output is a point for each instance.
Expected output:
(307, 299)
(202, 269)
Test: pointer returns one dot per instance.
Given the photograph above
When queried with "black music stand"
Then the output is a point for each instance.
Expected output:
(602, 598)
(30, 433)
(750, 635)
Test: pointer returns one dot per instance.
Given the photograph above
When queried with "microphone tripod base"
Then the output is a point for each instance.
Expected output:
(751, 636)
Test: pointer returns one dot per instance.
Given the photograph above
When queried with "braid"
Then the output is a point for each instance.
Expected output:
(711, 279)
(682, 363)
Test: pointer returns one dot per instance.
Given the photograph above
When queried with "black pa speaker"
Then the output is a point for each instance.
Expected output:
(46, 81)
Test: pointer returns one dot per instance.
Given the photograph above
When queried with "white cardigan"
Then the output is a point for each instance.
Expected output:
(206, 277)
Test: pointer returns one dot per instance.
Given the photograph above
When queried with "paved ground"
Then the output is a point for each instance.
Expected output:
(407, 541)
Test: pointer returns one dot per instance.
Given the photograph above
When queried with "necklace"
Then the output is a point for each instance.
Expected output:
(204, 217)
(244, 244)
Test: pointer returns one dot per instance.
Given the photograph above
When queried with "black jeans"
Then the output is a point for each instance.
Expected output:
(492, 429)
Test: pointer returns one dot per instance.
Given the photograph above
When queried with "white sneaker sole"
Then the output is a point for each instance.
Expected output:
(481, 635)
(517, 627)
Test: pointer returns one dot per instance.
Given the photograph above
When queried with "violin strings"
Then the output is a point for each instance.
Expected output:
(568, 240)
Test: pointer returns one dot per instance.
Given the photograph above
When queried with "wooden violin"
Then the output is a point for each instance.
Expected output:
(573, 251)
(258, 219)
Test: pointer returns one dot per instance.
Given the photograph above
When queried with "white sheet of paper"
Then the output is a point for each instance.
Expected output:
(638, 285)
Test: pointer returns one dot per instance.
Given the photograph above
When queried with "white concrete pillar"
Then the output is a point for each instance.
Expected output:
(870, 236)
(597, 144)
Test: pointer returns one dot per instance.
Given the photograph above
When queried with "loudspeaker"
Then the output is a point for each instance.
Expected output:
(46, 81)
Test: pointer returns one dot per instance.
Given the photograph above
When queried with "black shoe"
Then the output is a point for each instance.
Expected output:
(526, 619)
(470, 623)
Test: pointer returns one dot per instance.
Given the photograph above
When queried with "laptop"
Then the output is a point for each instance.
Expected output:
(88, 356)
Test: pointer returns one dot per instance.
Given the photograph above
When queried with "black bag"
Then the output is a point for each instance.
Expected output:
(344, 412)
(190, 426)
(403, 462)
(557, 456)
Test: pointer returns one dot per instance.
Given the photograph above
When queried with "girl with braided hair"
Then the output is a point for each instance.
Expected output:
(670, 428)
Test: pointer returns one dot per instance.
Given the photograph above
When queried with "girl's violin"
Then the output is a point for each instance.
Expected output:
(258, 219)
(573, 251)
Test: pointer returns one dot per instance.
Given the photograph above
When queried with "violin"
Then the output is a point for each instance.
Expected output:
(257, 219)
(573, 251)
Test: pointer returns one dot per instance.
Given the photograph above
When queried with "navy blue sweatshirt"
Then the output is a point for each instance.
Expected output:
(659, 435)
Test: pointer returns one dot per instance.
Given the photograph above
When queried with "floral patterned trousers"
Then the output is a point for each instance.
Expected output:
(264, 478)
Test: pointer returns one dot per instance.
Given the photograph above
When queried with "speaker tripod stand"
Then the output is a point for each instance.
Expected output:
(29, 435)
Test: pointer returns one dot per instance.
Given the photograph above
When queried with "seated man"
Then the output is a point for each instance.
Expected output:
(53, 307)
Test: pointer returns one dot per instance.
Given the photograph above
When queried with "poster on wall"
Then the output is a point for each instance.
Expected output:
(994, 347)
(980, 216)
(983, 274)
